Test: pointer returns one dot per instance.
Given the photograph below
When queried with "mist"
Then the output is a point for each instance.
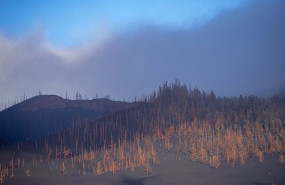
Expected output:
(239, 52)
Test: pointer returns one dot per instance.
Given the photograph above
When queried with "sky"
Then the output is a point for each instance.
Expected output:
(126, 48)
(71, 22)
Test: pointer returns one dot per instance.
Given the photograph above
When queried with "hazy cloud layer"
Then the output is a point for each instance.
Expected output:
(239, 52)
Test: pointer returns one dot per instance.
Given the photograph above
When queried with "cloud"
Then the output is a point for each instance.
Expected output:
(239, 52)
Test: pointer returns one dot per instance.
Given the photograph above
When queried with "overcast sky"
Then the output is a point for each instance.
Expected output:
(128, 48)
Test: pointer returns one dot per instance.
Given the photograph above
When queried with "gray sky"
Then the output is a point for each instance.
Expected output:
(241, 51)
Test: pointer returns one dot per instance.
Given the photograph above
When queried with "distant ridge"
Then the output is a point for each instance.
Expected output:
(54, 102)
(41, 114)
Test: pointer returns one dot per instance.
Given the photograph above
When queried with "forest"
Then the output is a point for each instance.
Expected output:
(175, 119)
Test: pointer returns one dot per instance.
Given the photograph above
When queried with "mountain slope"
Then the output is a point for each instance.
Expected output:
(42, 114)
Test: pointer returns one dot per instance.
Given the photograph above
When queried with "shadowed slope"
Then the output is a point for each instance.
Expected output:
(42, 114)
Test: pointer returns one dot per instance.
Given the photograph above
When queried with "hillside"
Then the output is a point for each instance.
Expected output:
(39, 115)
(173, 124)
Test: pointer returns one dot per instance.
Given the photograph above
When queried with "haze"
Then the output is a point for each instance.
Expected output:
(126, 49)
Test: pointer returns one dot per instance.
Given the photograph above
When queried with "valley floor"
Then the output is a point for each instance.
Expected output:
(170, 171)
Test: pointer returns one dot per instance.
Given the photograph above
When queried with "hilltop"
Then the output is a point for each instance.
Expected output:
(41, 114)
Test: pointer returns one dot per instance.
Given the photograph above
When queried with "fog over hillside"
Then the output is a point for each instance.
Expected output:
(124, 92)
(238, 52)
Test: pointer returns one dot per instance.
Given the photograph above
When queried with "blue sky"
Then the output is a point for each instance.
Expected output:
(71, 22)
(128, 48)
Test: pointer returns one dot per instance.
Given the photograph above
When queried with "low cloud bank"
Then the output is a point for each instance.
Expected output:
(239, 52)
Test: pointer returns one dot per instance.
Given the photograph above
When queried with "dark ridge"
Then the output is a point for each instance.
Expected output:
(54, 102)
(43, 114)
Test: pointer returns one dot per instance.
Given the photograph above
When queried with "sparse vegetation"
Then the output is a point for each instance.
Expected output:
(63, 172)
(201, 126)
(28, 172)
